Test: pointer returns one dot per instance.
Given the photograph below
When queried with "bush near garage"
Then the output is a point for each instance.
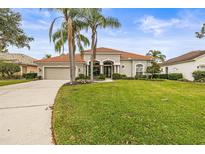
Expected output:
(175, 76)
(30, 75)
(197, 75)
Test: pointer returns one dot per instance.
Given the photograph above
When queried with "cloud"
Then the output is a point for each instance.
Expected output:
(184, 19)
(156, 26)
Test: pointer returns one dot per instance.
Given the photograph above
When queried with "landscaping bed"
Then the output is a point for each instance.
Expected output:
(130, 112)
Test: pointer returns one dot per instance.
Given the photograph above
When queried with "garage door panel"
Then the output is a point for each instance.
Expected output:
(56, 73)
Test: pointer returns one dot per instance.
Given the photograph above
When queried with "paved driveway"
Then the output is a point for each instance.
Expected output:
(25, 116)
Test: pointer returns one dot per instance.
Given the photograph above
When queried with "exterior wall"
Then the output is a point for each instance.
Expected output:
(130, 67)
(80, 67)
(103, 57)
(31, 69)
(186, 68)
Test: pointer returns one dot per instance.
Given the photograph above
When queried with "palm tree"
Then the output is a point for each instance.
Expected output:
(60, 37)
(157, 55)
(48, 56)
(95, 19)
(69, 15)
(201, 34)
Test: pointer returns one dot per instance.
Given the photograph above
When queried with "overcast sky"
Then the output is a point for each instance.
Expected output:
(172, 31)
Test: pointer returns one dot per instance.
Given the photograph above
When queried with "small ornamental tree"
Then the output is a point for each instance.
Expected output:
(9, 69)
(153, 69)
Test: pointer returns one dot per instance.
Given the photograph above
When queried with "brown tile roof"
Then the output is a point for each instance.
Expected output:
(183, 58)
(18, 58)
(124, 55)
(61, 58)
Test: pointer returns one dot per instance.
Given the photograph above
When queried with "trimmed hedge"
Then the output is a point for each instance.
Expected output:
(30, 75)
(101, 77)
(82, 77)
(160, 76)
(197, 75)
(117, 76)
(175, 76)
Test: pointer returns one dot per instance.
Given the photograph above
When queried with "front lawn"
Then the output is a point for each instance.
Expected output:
(8, 82)
(130, 112)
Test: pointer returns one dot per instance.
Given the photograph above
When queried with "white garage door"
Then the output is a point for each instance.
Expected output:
(56, 73)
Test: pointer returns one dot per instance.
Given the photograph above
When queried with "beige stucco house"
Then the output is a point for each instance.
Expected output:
(108, 61)
(25, 62)
(185, 64)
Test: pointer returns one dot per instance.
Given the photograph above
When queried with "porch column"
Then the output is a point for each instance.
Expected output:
(118, 69)
(101, 69)
(114, 71)
(87, 70)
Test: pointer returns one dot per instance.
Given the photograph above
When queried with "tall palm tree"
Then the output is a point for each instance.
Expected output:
(201, 34)
(95, 19)
(60, 37)
(157, 55)
(69, 15)
(48, 56)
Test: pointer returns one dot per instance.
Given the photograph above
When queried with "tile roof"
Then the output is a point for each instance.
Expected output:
(18, 58)
(183, 58)
(61, 58)
(124, 56)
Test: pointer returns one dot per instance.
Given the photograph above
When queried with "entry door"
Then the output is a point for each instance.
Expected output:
(107, 71)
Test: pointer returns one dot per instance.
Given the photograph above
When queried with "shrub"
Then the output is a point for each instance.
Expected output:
(30, 75)
(129, 78)
(175, 76)
(123, 76)
(9, 69)
(81, 76)
(116, 76)
(141, 77)
(160, 76)
(198, 75)
(201, 80)
(183, 80)
(101, 77)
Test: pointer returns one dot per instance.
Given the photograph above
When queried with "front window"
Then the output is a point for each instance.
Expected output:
(139, 69)
(96, 68)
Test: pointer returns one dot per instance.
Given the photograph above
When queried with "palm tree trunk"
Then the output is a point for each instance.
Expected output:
(70, 47)
(92, 55)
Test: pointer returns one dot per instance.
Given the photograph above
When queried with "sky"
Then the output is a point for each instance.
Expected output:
(172, 31)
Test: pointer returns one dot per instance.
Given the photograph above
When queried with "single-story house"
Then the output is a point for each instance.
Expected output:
(185, 64)
(25, 62)
(108, 61)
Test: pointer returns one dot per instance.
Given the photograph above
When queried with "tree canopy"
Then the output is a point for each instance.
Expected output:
(11, 32)
(157, 55)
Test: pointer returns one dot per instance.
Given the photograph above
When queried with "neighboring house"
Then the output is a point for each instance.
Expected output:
(108, 61)
(185, 64)
(25, 62)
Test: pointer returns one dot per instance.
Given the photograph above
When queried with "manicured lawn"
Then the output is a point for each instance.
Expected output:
(8, 82)
(130, 112)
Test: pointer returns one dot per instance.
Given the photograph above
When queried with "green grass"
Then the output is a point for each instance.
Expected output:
(130, 112)
(9, 82)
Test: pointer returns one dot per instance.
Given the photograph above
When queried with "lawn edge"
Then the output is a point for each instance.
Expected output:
(52, 127)
(17, 83)
(52, 119)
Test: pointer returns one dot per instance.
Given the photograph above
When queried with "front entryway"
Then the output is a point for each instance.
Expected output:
(108, 68)
(107, 71)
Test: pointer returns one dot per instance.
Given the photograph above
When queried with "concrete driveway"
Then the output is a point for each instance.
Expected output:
(25, 116)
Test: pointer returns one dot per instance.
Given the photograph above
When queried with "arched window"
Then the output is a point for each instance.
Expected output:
(139, 69)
